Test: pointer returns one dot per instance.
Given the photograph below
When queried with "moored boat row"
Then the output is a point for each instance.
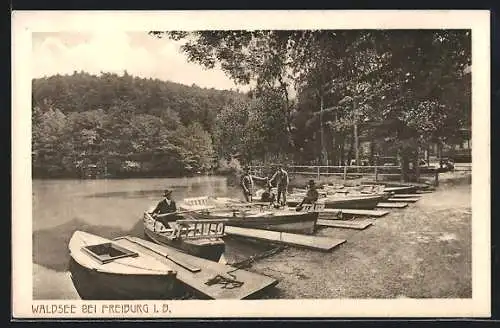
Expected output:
(185, 246)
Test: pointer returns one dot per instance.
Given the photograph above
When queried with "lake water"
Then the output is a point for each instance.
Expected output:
(422, 251)
(108, 208)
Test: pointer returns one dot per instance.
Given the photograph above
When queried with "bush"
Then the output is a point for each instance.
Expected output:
(231, 169)
(225, 167)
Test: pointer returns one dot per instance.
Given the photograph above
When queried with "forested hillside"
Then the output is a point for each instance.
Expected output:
(123, 125)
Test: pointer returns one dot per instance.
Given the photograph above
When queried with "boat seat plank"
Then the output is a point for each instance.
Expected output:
(392, 205)
(252, 282)
(407, 200)
(306, 241)
(346, 224)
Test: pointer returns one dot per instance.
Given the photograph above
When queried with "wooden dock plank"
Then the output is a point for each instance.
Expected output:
(372, 213)
(312, 242)
(346, 224)
(253, 283)
(406, 196)
(392, 205)
(407, 200)
(425, 191)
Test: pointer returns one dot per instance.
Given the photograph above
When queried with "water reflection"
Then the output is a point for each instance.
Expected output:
(183, 190)
(131, 194)
(50, 246)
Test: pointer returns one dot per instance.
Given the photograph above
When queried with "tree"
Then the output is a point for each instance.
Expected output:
(196, 148)
(248, 57)
(49, 142)
(111, 120)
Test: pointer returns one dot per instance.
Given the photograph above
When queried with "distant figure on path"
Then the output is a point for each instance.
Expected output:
(247, 184)
(312, 195)
(166, 206)
(282, 181)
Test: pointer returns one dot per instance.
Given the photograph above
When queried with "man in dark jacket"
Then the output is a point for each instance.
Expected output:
(282, 180)
(166, 206)
(247, 185)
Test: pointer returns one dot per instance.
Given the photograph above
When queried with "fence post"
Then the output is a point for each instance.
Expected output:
(345, 173)
(318, 174)
(376, 174)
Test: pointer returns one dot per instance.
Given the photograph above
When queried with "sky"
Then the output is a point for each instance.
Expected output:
(136, 52)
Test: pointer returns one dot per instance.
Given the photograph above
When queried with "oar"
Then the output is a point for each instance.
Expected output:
(179, 262)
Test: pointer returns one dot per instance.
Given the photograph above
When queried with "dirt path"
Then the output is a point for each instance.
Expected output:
(423, 251)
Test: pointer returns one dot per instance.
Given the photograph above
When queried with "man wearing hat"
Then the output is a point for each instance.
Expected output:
(282, 181)
(247, 184)
(312, 194)
(165, 206)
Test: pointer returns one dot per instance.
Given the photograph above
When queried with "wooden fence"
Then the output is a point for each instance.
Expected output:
(345, 172)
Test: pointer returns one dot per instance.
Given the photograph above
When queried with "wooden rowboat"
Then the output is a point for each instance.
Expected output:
(360, 201)
(104, 269)
(248, 216)
(402, 188)
(131, 268)
(195, 237)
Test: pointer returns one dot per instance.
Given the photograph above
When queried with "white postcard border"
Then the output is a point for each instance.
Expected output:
(25, 23)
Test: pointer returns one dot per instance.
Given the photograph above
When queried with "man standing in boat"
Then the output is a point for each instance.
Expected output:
(166, 206)
(282, 181)
(247, 184)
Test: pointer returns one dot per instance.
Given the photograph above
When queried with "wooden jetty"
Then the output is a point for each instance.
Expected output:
(306, 241)
(406, 196)
(346, 224)
(424, 191)
(353, 212)
(392, 205)
(406, 200)
(206, 278)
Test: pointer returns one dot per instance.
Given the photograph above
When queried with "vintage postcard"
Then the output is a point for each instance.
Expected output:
(250, 164)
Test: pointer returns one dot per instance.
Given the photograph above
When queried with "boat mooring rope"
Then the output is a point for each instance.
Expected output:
(248, 262)
(227, 283)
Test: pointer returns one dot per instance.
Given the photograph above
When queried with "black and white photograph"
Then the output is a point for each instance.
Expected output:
(308, 163)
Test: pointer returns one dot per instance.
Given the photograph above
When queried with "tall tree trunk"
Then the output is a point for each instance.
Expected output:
(404, 167)
(334, 153)
(417, 164)
(288, 116)
(350, 155)
(342, 149)
(372, 149)
(324, 153)
(356, 137)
